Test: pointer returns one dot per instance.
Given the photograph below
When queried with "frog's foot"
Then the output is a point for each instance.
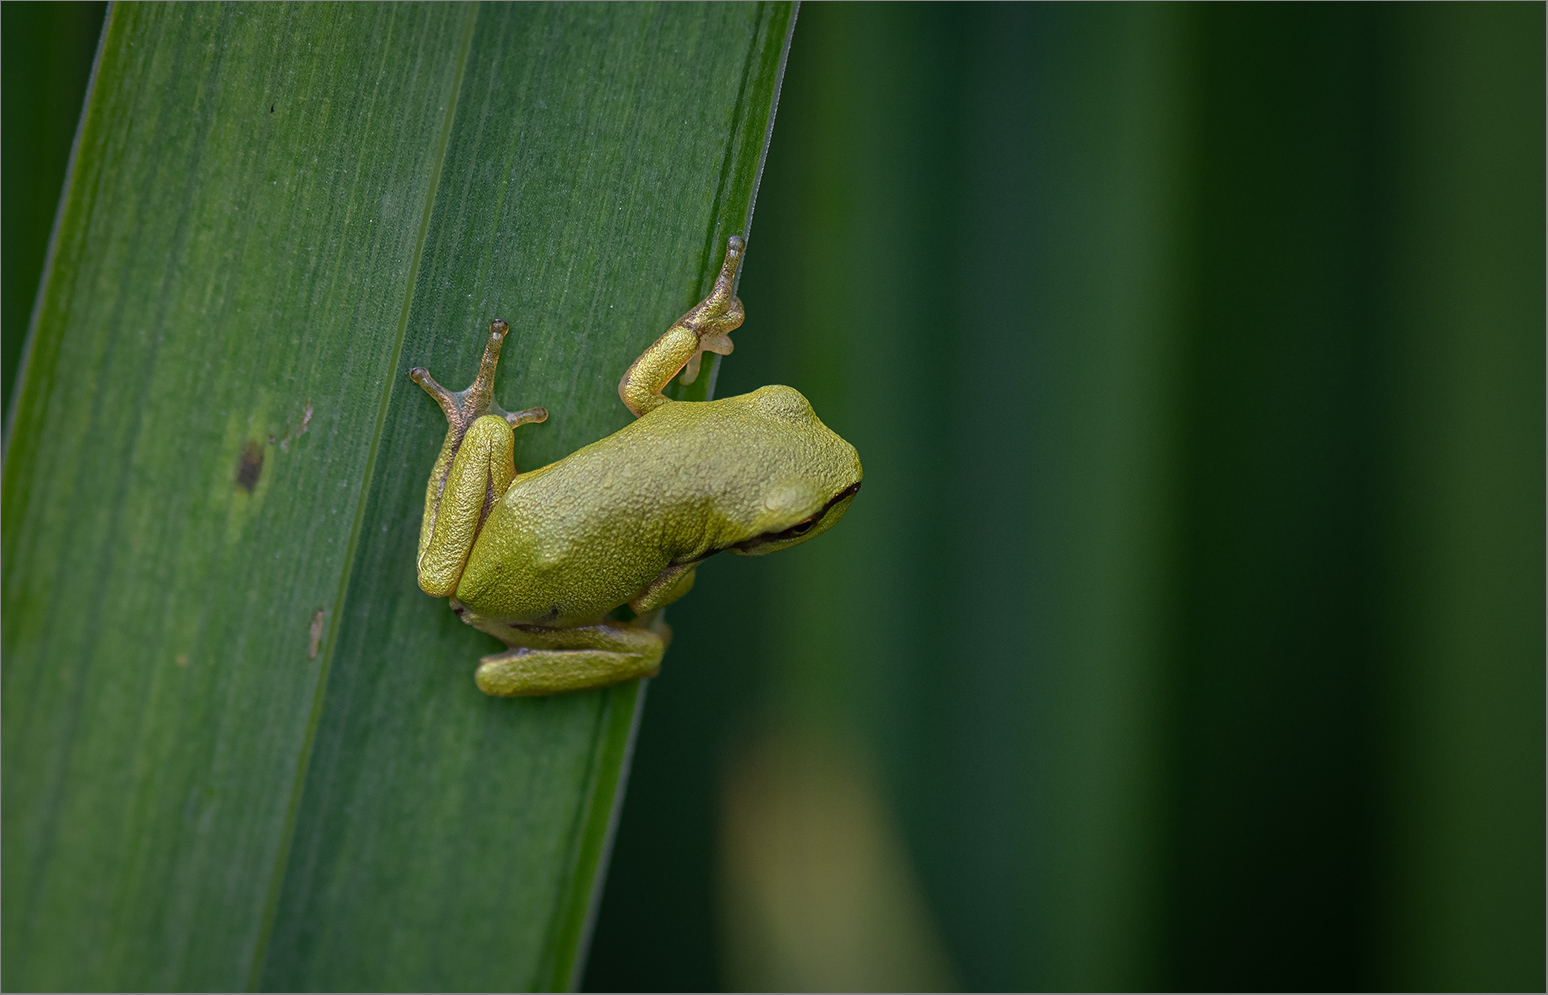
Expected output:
(464, 407)
(718, 315)
(671, 584)
(707, 327)
(549, 661)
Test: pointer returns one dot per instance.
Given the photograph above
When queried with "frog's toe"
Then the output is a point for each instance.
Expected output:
(450, 404)
(527, 416)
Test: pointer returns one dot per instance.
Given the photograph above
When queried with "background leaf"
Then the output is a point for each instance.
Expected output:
(45, 60)
(1190, 622)
(241, 747)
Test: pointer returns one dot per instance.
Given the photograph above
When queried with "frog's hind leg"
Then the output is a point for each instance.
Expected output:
(474, 468)
(705, 328)
(462, 408)
(482, 469)
(548, 661)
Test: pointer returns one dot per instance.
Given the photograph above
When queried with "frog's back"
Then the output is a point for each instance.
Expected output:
(573, 540)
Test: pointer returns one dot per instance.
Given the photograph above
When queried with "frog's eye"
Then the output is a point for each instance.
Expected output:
(784, 535)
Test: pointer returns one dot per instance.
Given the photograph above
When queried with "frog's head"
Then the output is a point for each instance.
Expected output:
(822, 474)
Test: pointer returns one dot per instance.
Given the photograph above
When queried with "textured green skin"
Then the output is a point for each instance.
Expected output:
(541, 559)
(568, 543)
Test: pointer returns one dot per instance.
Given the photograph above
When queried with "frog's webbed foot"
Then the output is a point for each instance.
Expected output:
(707, 327)
(718, 315)
(464, 407)
(549, 661)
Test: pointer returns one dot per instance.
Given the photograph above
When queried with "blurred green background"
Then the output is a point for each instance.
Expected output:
(46, 50)
(1189, 629)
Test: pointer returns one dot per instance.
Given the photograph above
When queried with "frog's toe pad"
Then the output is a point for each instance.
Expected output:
(532, 672)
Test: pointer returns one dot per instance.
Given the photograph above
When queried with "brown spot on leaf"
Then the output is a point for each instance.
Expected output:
(182, 659)
(249, 466)
(317, 631)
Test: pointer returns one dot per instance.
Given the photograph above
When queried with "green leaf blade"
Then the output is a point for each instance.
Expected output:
(214, 481)
(159, 680)
(617, 258)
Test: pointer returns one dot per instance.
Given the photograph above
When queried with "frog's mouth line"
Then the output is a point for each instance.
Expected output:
(795, 531)
(800, 528)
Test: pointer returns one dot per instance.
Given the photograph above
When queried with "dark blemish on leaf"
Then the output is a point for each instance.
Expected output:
(271, 108)
(249, 466)
(552, 613)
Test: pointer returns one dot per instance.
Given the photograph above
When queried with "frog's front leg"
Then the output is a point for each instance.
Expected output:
(706, 328)
(475, 467)
(548, 661)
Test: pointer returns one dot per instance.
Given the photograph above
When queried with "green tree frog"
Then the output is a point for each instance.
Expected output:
(542, 559)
